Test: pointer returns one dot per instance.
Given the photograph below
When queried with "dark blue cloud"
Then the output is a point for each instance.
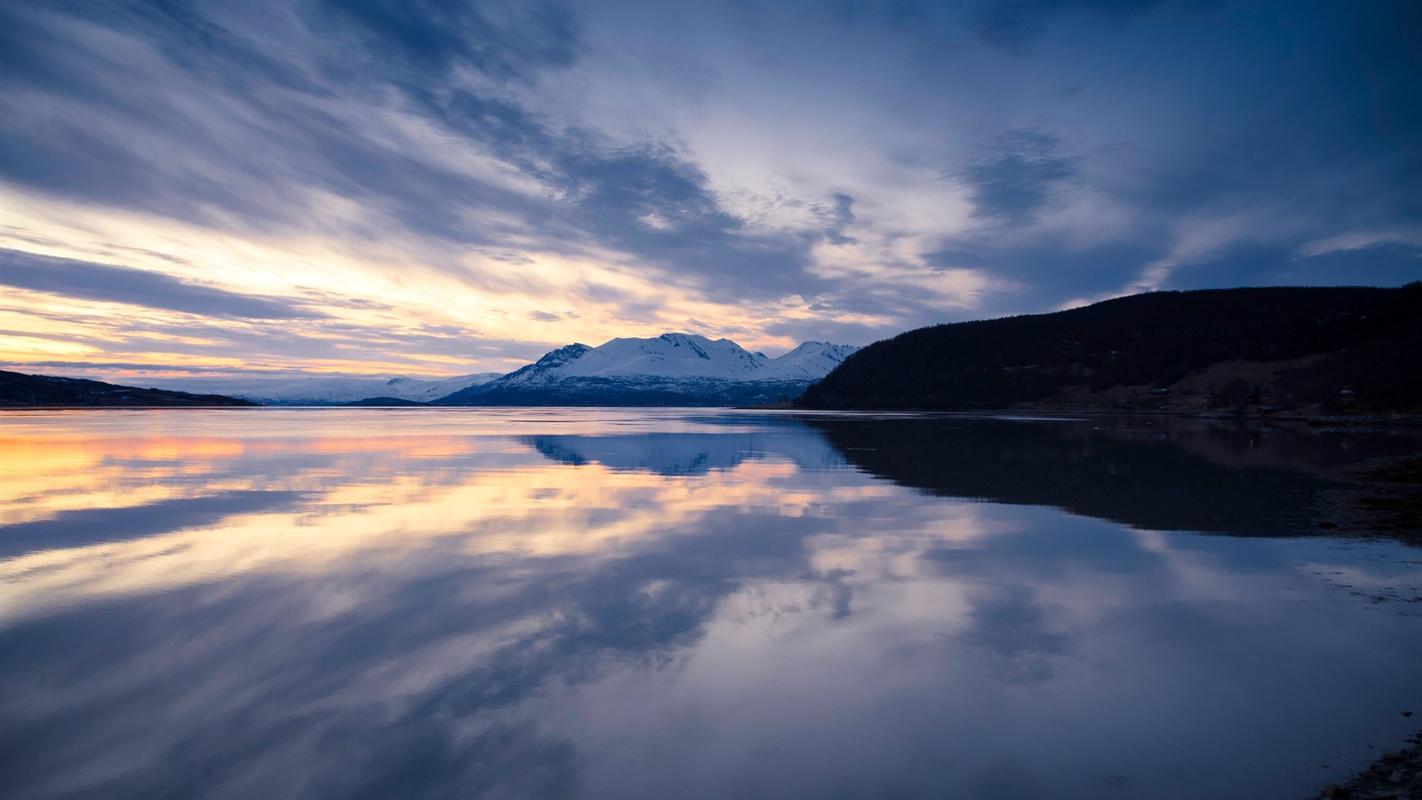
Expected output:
(1049, 271)
(1016, 178)
(105, 282)
(221, 125)
(647, 198)
(837, 216)
(1302, 124)
(1316, 118)
(1384, 264)
(441, 34)
(1271, 265)
(1298, 130)
(240, 132)
(1014, 24)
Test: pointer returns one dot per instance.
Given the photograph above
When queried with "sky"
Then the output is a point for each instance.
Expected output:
(438, 187)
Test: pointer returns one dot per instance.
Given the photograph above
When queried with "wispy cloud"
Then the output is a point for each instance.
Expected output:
(107, 283)
(408, 185)
(1016, 178)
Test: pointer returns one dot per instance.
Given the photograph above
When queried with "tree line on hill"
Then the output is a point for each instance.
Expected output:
(1304, 349)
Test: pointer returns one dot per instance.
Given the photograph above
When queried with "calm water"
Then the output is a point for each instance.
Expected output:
(531, 603)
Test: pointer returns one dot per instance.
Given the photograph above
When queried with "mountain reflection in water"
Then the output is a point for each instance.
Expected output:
(642, 603)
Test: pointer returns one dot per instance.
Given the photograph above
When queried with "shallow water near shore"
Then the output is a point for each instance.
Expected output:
(626, 603)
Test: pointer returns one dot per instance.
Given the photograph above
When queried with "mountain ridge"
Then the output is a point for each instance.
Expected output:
(673, 368)
(19, 389)
(1309, 350)
(670, 369)
(332, 389)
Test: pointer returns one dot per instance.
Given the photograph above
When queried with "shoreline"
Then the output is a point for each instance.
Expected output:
(1395, 775)
(1409, 420)
(1312, 420)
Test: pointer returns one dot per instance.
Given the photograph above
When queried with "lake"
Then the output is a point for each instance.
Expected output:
(653, 603)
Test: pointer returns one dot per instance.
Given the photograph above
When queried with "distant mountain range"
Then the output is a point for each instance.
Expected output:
(1254, 351)
(330, 390)
(671, 369)
(1258, 351)
(20, 390)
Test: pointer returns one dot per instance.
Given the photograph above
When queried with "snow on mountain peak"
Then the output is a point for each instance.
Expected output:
(809, 361)
(564, 354)
(670, 358)
(671, 355)
(681, 356)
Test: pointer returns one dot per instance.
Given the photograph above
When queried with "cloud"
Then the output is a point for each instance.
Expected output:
(234, 121)
(1048, 269)
(1014, 24)
(201, 118)
(837, 217)
(1385, 264)
(445, 34)
(413, 168)
(1016, 179)
(648, 200)
(108, 283)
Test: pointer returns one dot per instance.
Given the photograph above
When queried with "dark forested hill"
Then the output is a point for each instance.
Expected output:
(1314, 350)
(19, 389)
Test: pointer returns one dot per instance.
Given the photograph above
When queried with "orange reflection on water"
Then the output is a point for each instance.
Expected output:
(655, 594)
(301, 494)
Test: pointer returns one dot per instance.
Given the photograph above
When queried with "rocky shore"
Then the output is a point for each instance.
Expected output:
(1397, 775)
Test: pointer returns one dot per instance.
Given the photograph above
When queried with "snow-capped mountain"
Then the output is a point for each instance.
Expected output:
(671, 355)
(671, 369)
(550, 363)
(810, 361)
(329, 390)
(423, 391)
(681, 355)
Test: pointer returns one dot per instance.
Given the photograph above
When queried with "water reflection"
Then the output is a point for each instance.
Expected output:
(523, 603)
(1162, 474)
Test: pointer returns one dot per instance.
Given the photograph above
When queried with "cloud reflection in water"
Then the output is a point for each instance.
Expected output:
(589, 603)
